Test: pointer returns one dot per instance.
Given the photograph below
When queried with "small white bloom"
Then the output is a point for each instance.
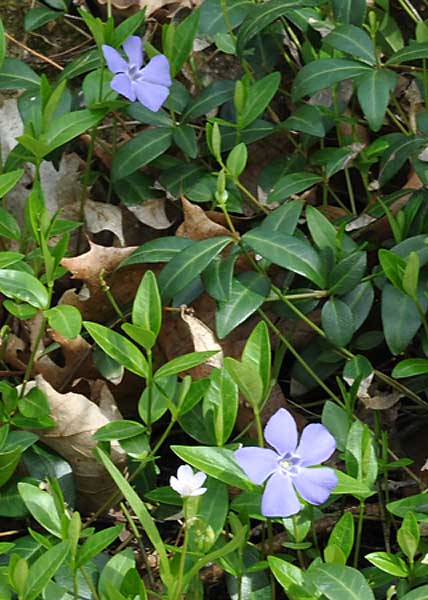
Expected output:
(188, 483)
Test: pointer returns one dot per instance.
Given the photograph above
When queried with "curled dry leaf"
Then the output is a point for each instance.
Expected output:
(203, 339)
(94, 304)
(372, 397)
(151, 213)
(196, 224)
(100, 216)
(77, 418)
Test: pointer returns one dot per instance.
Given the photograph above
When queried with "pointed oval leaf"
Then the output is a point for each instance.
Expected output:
(373, 92)
(14, 74)
(20, 285)
(291, 184)
(285, 218)
(65, 319)
(141, 150)
(41, 505)
(410, 367)
(337, 322)
(354, 41)
(44, 568)
(414, 51)
(350, 11)
(96, 543)
(147, 306)
(9, 180)
(338, 582)
(400, 318)
(183, 363)
(159, 250)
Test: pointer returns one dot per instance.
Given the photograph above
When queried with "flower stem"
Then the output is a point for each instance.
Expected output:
(183, 551)
(359, 533)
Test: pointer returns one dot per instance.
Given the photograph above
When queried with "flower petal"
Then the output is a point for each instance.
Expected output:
(150, 95)
(198, 491)
(157, 71)
(175, 484)
(315, 485)
(279, 498)
(281, 432)
(115, 62)
(185, 472)
(199, 479)
(123, 85)
(257, 463)
(316, 445)
(133, 47)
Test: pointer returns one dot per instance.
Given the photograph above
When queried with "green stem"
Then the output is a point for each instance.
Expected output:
(359, 533)
(179, 590)
(258, 421)
(106, 289)
(137, 536)
(300, 556)
(90, 584)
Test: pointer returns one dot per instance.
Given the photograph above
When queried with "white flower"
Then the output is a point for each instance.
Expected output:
(188, 483)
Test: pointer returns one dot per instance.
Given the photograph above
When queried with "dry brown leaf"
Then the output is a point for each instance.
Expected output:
(94, 304)
(77, 418)
(100, 216)
(196, 224)
(151, 213)
(372, 397)
(151, 6)
(203, 339)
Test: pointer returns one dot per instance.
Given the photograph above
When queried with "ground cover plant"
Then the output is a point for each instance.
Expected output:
(213, 276)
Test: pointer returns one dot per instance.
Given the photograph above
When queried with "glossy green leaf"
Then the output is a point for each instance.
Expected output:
(360, 301)
(70, 125)
(119, 348)
(306, 119)
(237, 160)
(257, 354)
(216, 462)
(185, 138)
(414, 51)
(249, 381)
(285, 218)
(8, 181)
(400, 318)
(249, 291)
(389, 563)
(410, 367)
(210, 516)
(184, 36)
(96, 543)
(183, 363)
(287, 252)
(292, 579)
(337, 322)
(147, 306)
(141, 150)
(323, 232)
(418, 505)
(41, 505)
(350, 11)
(291, 184)
(397, 154)
(20, 285)
(159, 250)
(15, 74)
(34, 404)
(342, 534)
(323, 73)
(65, 319)
(258, 98)
(374, 90)
(9, 258)
(218, 277)
(214, 95)
(360, 454)
(43, 569)
(220, 404)
(348, 273)
(338, 582)
(118, 430)
(37, 17)
(189, 263)
(419, 593)
(213, 22)
(2, 44)
(127, 27)
(354, 41)
(411, 276)
(8, 462)
(259, 17)
(408, 536)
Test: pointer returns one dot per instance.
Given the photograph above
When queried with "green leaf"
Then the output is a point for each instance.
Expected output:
(8, 462)
(350, 11)
(338, 582)
(184, 36)
(214, 95)
(350, 485)
(70, 125)
(128, 27)
(218, 277)
(213, 20)
(118, 430)
(419, 593)
(118, 348)
(89, 61)
(396, 155)
(9, 227)
(8, 181)
(323, 232)
(292, 579)
(374, 91)
(323, 73)
(34, 404)
(337, 421)
(14, 74)
(185, 138)
(210, 517)
(44, 568)
(411, 276)
(220, 404)
(287, 252)
(413, 51)
(41, 505)
(285, 218)
(65, 319)
(144, 115)
(360, 454)
(142, 515)
(354, 41)
(400, 318)
(37, 17)
(360, 301)
(141, 150)
(158, 250)
(257, 354)
(418, 505)
(259, 17)
(291, 184)
(183, 363)
(147, 306)
(20, 285)
(337, 322)
(408, 536)
(249, 291)
(348, 273)
(2, 44)
(410, 367)
(237, 160)
(188, 264)
(216, 462)
(258, 98)
(9, 258)
(394, 565)
(96, 544)
(306, 119)
(249, 381)
(342, 535)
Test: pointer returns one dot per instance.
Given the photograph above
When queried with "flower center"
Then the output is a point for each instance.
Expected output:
(285, 464)
(132, 72)
(288, 464)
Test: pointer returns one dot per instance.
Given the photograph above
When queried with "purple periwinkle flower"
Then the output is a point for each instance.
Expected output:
(286, 467)
(149, 85)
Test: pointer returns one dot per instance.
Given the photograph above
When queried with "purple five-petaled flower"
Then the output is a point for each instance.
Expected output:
(286, 467)
(149, 85)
